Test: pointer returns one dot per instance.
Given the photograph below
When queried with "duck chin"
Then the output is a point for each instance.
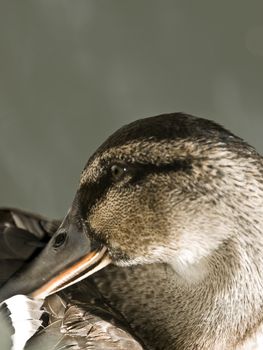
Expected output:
(190, 269)
(123, 259)
(133, 261)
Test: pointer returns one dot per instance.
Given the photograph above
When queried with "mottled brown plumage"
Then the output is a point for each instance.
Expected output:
(81, 319)
(201, 218)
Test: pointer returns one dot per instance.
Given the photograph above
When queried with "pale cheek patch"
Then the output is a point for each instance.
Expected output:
(25, 314)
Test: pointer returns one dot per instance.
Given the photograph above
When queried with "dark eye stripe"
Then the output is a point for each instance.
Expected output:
(141, 171)
(90, 193)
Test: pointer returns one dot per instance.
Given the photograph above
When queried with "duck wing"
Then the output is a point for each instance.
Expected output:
(80, 319)
(22, 235)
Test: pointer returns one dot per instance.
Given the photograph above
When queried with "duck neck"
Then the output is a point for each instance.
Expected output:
(227, 299)
(220, 311)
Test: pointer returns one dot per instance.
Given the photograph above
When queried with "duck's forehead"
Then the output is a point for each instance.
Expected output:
(144, 152)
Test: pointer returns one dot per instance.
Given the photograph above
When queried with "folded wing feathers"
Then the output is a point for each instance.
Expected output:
(25, 314)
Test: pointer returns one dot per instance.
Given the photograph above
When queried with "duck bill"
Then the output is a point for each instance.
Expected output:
(69, 257)
(86, 266)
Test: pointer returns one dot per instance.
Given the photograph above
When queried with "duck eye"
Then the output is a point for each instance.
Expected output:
(118, 171)
(59, 240)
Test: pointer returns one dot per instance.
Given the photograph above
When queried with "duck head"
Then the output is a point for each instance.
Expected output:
(154, 192)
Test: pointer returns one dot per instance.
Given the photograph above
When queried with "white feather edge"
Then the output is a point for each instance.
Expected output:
(25, 315)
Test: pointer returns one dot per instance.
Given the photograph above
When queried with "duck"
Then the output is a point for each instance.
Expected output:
(167, 222)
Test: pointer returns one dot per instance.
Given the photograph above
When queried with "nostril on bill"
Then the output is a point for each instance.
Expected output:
(59, 240)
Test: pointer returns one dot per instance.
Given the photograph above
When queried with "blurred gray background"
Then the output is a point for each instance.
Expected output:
(74, 71)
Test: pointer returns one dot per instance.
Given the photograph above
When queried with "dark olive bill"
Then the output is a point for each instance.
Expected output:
(69, 257)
